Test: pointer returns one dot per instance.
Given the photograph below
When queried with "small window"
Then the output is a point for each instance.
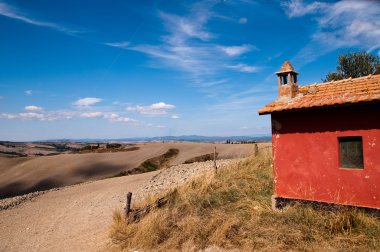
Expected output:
(351, 152)
(285, 80)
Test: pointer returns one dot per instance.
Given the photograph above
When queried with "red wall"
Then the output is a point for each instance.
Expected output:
(306, 155)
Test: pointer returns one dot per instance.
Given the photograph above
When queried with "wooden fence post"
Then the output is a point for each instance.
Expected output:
(128, 206)
(256, 149)
(215, 167)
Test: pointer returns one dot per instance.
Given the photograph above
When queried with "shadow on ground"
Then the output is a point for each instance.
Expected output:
(84, 173)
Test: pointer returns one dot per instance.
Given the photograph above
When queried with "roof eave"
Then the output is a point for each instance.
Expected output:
(264, 112)
(337, 105)
(287, 71)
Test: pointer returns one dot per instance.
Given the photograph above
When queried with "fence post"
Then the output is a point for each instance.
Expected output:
(128, 206)
(256, 149)
(215, 167)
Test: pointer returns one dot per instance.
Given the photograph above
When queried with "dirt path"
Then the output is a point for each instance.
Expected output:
(74, 218)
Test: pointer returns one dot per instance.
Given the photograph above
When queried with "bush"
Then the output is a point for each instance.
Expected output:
(113, 146)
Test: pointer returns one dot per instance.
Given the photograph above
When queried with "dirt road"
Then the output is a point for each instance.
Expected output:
(73, 218)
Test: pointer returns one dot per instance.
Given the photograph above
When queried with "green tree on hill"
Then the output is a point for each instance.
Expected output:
(354, 64)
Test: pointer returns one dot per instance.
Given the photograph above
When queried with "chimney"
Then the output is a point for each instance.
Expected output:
(287, 81)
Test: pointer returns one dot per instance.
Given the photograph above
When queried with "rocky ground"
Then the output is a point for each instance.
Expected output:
(176, 175)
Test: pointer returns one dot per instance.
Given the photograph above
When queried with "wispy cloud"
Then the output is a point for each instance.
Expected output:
(123, 44)
(14, 13)
(244, 68)
(159, 108)
(91, 114)
(343, 24)
(33, 108)
(40, 116)
(86, 102)
(243, 20)
(251, 102)
(116, 118)
(252, 98)
(28, 92)
(7, 116)
(236, 50)
(189, 46)
(174, 117)
(65, 115)
(297, 8)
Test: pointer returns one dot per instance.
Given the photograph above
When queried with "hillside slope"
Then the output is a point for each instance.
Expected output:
(27, 174)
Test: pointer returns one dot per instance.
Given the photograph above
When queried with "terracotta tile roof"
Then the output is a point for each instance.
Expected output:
(286, 67)
(357, 90)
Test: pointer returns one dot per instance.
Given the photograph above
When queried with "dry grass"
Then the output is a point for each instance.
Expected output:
(153, 164)
(232, 210)
(202, 158)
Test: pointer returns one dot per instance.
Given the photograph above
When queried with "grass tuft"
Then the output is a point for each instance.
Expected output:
(232, 210)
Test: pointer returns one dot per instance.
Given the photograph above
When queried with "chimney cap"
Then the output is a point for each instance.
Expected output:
(286, 68)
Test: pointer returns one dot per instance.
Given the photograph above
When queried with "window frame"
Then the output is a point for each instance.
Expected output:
(339, 152)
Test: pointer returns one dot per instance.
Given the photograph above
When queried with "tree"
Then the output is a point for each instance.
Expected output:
(354, 64)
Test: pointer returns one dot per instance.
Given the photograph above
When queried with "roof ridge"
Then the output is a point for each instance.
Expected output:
(344, 80)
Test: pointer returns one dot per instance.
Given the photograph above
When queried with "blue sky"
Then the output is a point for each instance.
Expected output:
(114, 69)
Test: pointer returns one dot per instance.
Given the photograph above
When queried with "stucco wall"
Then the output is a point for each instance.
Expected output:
(306, 155)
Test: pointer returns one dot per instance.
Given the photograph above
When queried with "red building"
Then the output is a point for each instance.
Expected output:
(326, 140)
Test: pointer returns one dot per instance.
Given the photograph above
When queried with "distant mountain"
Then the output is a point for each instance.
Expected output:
(189, 138)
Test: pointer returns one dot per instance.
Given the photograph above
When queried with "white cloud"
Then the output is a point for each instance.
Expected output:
(28, 92)
(85, 102)
(123, 44)
(33, 108)
(342, 24)
(91, 114)
(111, 116)
(116, 118)
(297, 8)
(159, 108)
(161, 105)
(243, 20)
(45, 116)
(191, 26)
(244, 68)
(64, 115)
(174, 117)
(7, 116)
(236, 50)
(32, 115)
(41, 116)
(188, 46)
(11, 12)
(124, 119)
